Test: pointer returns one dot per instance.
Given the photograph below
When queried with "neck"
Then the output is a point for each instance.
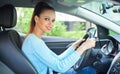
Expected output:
(37, 32)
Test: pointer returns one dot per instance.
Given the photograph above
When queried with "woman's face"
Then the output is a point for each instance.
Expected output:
(44, 23)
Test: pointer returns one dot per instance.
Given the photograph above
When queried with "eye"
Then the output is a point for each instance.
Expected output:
(47, 19)
(53, 20)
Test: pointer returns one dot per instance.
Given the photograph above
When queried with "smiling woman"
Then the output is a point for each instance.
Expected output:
(103, 15)
(43, 59)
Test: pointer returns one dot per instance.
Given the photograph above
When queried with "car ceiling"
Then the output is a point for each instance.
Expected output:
(117, 0)
(20, 3)
(32, 3)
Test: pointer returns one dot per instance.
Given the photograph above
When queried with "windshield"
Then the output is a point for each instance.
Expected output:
(109, 10)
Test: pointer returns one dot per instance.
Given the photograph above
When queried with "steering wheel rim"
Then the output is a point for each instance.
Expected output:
(87, 55)
(83, 61)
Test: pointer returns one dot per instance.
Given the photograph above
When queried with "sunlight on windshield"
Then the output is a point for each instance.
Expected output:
(106, 9)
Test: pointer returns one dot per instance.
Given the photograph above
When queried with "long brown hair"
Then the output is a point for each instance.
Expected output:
(39, 8)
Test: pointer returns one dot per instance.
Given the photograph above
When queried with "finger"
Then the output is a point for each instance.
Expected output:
(79, 41)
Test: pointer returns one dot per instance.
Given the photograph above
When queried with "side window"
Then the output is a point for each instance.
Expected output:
(66, 26)
(23, 19)
(112, 32)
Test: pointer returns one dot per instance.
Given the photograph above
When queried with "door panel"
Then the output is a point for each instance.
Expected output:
(57, 44)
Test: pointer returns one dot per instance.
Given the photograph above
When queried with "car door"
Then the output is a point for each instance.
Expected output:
(58, 44)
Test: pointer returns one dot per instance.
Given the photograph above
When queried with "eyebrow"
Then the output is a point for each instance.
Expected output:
(49, 17)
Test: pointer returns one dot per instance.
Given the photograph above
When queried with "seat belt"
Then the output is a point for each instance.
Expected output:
(47, 70)
(53, 71)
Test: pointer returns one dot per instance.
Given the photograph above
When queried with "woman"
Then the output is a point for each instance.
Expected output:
(42, 58)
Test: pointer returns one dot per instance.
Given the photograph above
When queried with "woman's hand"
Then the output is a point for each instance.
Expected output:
(76, 44)
(89, 43)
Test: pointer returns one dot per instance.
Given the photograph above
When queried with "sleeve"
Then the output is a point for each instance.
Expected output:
(52, 60)
(66, 53)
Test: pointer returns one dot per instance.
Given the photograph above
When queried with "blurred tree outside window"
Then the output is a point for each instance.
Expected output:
(62, 28)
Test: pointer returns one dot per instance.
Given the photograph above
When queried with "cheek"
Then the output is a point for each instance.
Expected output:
(42, 24)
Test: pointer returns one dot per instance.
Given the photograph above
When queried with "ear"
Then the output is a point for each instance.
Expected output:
(36, 19)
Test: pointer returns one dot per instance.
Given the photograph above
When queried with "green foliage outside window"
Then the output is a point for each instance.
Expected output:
(78, 26)
(23, 20)
(23, 24)
(112, 32)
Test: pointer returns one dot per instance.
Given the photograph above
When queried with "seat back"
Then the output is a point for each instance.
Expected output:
(10, 43)
(4, 69)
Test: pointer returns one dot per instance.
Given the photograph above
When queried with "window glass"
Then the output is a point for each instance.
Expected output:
(67, 26)
(112, 32)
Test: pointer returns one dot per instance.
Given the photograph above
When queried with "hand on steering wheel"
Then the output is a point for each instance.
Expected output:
(87, 57)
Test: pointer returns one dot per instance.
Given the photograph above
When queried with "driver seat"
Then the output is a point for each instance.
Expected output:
(10, 43)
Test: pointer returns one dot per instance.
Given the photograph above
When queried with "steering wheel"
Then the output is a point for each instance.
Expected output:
(87, 58)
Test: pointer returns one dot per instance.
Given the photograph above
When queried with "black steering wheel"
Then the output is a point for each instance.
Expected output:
(87, 58)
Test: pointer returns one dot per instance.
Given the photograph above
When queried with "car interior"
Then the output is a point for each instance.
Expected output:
(104, 57)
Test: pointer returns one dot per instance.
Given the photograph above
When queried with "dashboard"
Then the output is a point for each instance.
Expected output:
(115, 65)
(111, 46)
(108, 55)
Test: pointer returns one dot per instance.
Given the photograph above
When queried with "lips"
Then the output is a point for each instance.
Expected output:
(49, 27)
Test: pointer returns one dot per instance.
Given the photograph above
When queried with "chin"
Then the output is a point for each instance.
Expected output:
(48, 31)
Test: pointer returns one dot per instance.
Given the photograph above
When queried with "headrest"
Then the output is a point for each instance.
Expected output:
(8, 16)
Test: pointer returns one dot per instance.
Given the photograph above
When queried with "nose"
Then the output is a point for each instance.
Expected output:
(51, 23)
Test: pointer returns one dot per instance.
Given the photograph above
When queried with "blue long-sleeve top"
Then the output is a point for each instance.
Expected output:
(43, 58)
